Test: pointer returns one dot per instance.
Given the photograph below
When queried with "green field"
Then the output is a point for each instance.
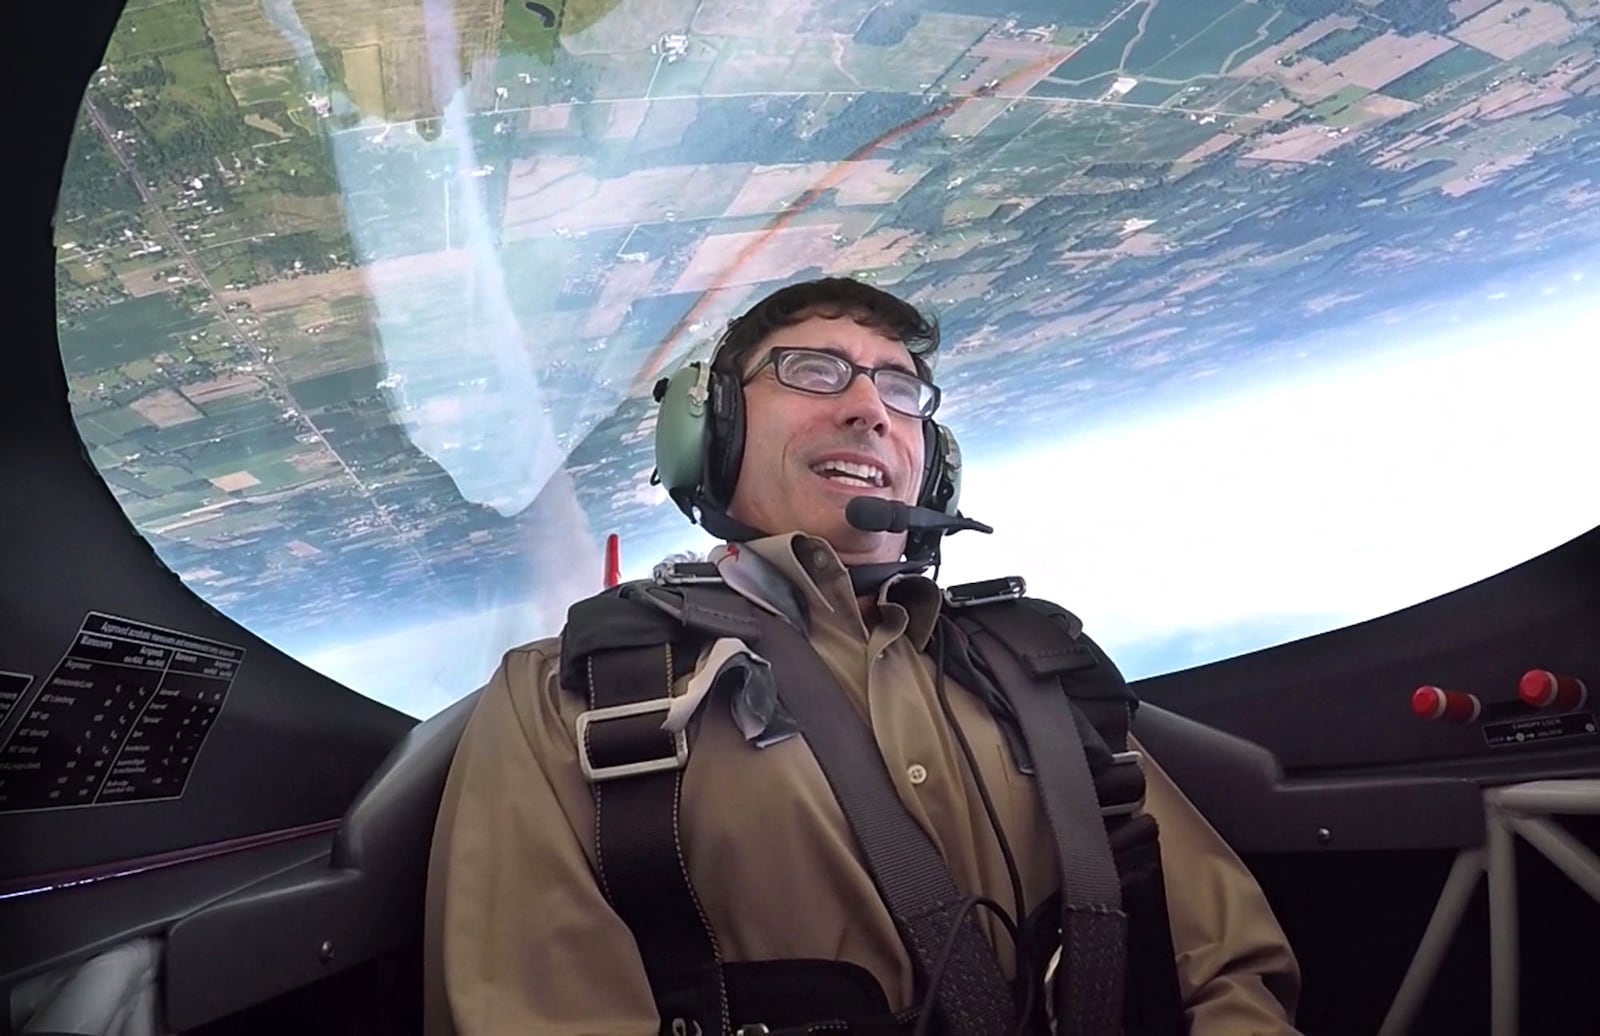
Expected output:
(168, 506)
(341, 387)
(1103, 55)
(275, 476)
(1172, 24)
(1080, 136)
(1087, 90)
(167, 477)
(243, 452)
(1209, 50)
(619, 76)
(1160, 137)
(1277, 28)
(813, 69)
(193, 77)
(524, 31)
(266, 85)
(1452, 66)
(1150, 93)
(108, 426)
(1328, 108)
(923, 56)
(240, 414)
(684, 78)
(155, 29)
(127, 331)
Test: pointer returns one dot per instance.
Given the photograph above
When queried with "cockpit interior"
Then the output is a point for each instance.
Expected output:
(1268, 332)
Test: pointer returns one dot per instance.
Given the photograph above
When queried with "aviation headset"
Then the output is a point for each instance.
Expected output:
(700, 445)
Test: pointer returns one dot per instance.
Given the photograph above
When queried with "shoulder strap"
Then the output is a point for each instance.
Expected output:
(620, 654)
(619, 648)
(1028, 650)
(924, 900)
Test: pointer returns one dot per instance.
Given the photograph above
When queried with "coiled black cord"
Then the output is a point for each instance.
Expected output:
(942, 964)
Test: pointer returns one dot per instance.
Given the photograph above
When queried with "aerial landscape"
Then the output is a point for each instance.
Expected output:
(360, 301)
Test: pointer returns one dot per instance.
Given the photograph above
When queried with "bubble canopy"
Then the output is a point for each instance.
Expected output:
(1260, 318)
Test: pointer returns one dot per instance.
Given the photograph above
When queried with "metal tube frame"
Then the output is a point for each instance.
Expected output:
(1516, 809)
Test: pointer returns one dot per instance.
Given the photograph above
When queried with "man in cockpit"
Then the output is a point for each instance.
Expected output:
(537, 923)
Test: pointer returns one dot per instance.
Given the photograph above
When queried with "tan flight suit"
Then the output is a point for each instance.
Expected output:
(520, 939)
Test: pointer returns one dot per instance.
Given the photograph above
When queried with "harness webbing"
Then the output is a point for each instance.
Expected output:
(924, 900)
(638, 846)
(1094, 935)
(1065, 711)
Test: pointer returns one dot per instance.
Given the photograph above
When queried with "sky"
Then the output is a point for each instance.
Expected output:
(1265, 509)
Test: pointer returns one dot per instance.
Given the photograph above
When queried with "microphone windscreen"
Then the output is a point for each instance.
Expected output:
(871, 514)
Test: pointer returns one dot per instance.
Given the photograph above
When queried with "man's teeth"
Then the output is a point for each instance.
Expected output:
(853, 474)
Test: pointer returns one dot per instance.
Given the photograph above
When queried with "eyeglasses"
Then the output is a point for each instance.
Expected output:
(828, 374)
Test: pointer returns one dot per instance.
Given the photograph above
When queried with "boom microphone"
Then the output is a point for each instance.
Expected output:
(875, 514)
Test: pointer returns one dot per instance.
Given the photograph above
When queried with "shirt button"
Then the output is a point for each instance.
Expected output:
(917, 772)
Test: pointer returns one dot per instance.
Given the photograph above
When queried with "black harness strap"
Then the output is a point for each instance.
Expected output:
(974, 998)
(1094, 928)
(636, 772)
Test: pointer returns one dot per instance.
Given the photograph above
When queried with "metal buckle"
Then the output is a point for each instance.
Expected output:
(685, 573)
(1129, 808)
(676, 761)
(967, 595)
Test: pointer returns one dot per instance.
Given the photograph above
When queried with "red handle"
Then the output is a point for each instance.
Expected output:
(613, 560)
(1435, 703)
(1542, 689)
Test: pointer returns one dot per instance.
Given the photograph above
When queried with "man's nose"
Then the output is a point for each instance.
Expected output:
(862, 405)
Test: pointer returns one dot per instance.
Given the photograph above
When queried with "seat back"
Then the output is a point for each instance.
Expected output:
(366, 901)
(388, 829)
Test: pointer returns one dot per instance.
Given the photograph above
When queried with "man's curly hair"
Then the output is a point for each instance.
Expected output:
(829, 297)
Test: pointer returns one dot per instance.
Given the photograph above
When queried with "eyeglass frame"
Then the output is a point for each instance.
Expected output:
(777, 352)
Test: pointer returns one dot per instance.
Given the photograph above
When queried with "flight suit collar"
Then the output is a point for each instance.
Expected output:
(813, 566)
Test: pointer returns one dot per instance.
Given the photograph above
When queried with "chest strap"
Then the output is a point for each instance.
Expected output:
(636, 773)
(974, 998)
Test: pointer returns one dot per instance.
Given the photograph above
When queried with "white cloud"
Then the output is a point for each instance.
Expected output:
(1349, 493)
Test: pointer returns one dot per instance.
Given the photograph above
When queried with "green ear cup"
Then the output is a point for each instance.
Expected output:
(683, 430)
(946, 493)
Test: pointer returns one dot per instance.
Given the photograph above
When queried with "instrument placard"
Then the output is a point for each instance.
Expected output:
(12, 687)
(1539, 729)
(121, 718)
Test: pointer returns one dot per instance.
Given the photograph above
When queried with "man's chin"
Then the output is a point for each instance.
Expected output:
(856, 547)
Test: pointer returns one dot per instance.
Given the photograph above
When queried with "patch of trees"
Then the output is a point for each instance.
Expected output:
(144, 75)
(1124, 169)
(1312, 9)
(887, 25)
(179, 136)
(93, 182)
(1410, 17)
(310, 248)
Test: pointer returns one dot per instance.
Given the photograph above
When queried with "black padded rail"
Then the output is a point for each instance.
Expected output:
(47, 930)
(1242, 790)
